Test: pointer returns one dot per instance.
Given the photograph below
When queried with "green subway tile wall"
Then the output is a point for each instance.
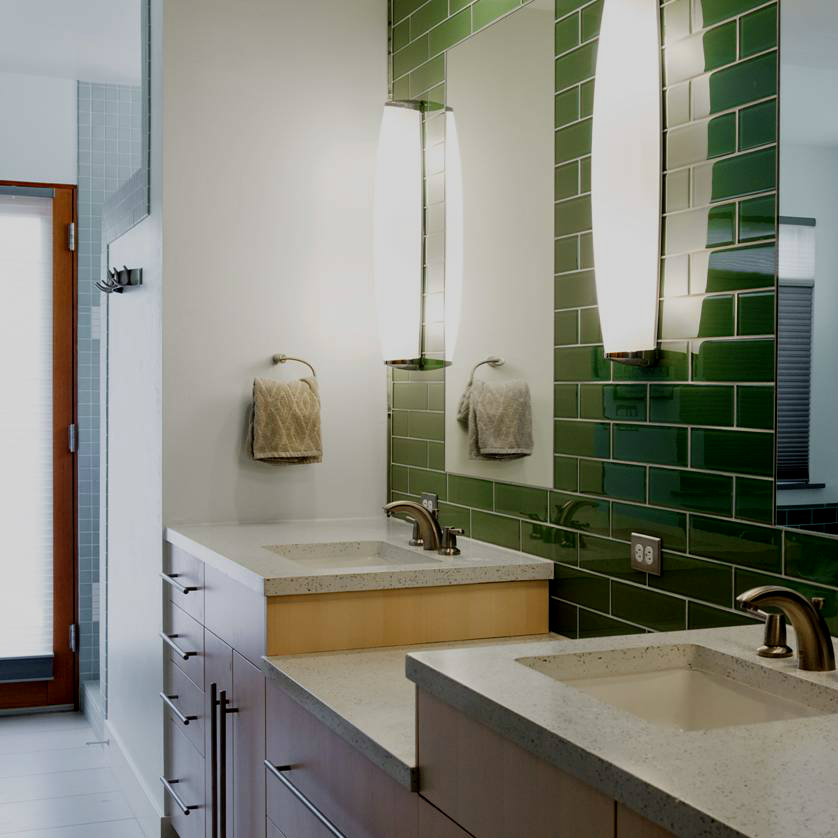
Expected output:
(683, 450)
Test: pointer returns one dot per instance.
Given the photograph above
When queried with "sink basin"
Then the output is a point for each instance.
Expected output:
(342, 555)
(687, 686)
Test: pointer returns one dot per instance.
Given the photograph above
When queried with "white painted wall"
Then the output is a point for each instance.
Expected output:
(270, 129)
(39, 137)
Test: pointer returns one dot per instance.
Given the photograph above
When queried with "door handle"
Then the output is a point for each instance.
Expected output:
(277, 771)
(168, 700)
(171, 578)
(223, 711)
(168, 639)
(167, 784)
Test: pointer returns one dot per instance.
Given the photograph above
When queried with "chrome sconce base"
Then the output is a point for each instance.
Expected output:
(645, 358)
(421, 363)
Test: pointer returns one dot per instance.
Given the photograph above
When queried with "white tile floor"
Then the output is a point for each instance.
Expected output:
(54, 785)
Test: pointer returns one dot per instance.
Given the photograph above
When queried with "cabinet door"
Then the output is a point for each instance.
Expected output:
(249, 762)
(218, 672)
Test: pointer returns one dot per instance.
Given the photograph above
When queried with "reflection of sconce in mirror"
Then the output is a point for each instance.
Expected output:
(399, 236)
(626, 179)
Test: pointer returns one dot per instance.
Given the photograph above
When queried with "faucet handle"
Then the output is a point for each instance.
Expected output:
(774, 641)
(449, 541)
(818, 602)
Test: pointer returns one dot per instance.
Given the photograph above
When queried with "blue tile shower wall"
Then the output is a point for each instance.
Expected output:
(109, 150)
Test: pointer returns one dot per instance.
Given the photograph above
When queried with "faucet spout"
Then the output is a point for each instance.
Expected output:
(814, 644)
(429, 528)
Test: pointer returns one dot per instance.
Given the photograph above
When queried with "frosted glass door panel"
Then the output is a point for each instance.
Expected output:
(26, 491)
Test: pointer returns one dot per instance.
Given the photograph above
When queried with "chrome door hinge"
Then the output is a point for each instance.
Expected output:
(71, 236)
(71, 437)
(74, 638)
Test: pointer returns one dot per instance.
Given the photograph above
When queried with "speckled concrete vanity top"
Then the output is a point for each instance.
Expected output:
(281, 559)
(776, 779)
(365, 698)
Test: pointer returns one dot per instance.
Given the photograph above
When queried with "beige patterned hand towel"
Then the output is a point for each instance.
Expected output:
(498, 418)
(285, 421)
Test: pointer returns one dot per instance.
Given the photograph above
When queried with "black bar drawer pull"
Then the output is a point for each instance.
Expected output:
(167, 784)
(277, 770)
(168, 700)
(171, 578)
(168, 638)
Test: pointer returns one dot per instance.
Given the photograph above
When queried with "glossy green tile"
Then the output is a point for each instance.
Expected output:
(670, 527)
(626, 402)
(741, 268)
(485, 11)
(563, 619)
(567, 107)
(758, 125)
(565, 401)
(589, 327)
(454, 30)
(745, 579)
(735, 542)
(575, 289)
(675, 21)
(585, 174)
(410, 396)
(505, 532)
(566, 325)
(744, 452)
(401, 88)
(714, 11)
(564, 7)
(744, 82)
(567, 254)
(694, 317)
(410, 452)
(705, 616)
(581, 363)
(694, 578)
(581, 588)
(426, 425)
(612, 479)
(586, 98)
(757, 219)
(573, 216)
(565, 473)
(721, 135)
(436, 396)
(428, 481)
(436, 456)
(579, 513)
(592, 624)
(591, 19)
(549, 542)
(399, 423)
(432, 13)
(652, 444)
(754, 500)
(691, 490)
(755, 407)
(612, 558)
(573, 141)
(745, 174)
(811, 557)
(672, 364)
(719, 46)
(652, 609)
(521, 501)
(684, 404)
(426, 76)
(401, 35)
(721, 224)
(402, 8)
(566, 180)
(734, 360)
(456, 5)
(756, 313)
(567, 34)
(576, 66)
(400, 479)
(410, 57)
(470, 491)
(758, 31)
(455, 516)
(583, 439)
(586, 251)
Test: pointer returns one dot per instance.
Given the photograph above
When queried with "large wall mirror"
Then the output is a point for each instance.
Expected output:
(807, 376)
(500, 85)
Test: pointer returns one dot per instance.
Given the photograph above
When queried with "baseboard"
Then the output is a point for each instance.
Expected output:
(91, 705)
(139, 796)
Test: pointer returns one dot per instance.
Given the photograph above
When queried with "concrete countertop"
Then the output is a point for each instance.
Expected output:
(247, 553)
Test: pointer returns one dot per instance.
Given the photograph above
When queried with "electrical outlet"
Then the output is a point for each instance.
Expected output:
(430, 501)
(646, 553)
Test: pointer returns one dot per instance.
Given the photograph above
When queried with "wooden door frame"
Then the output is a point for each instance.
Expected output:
(62, 689)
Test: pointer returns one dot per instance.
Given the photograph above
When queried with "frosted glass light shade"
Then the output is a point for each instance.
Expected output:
(397, 237)
(626, 175)
(797, 251)
(454, 233)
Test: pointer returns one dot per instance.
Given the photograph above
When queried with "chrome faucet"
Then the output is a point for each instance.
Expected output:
(429, 528)
(814, 645)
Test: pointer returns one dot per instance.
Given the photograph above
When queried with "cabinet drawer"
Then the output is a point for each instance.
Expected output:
(184, 642)
(273, 830)
(188, 700)
(355, 795)
(289, 816)
(184, 770)
(181, 573)
(434, 824)
(236, 613)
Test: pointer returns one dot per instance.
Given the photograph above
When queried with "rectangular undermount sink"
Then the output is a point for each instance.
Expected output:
(687, 686)
(348, 555)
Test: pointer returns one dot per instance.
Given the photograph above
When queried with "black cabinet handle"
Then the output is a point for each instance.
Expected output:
(223, 711)
(277, 771)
